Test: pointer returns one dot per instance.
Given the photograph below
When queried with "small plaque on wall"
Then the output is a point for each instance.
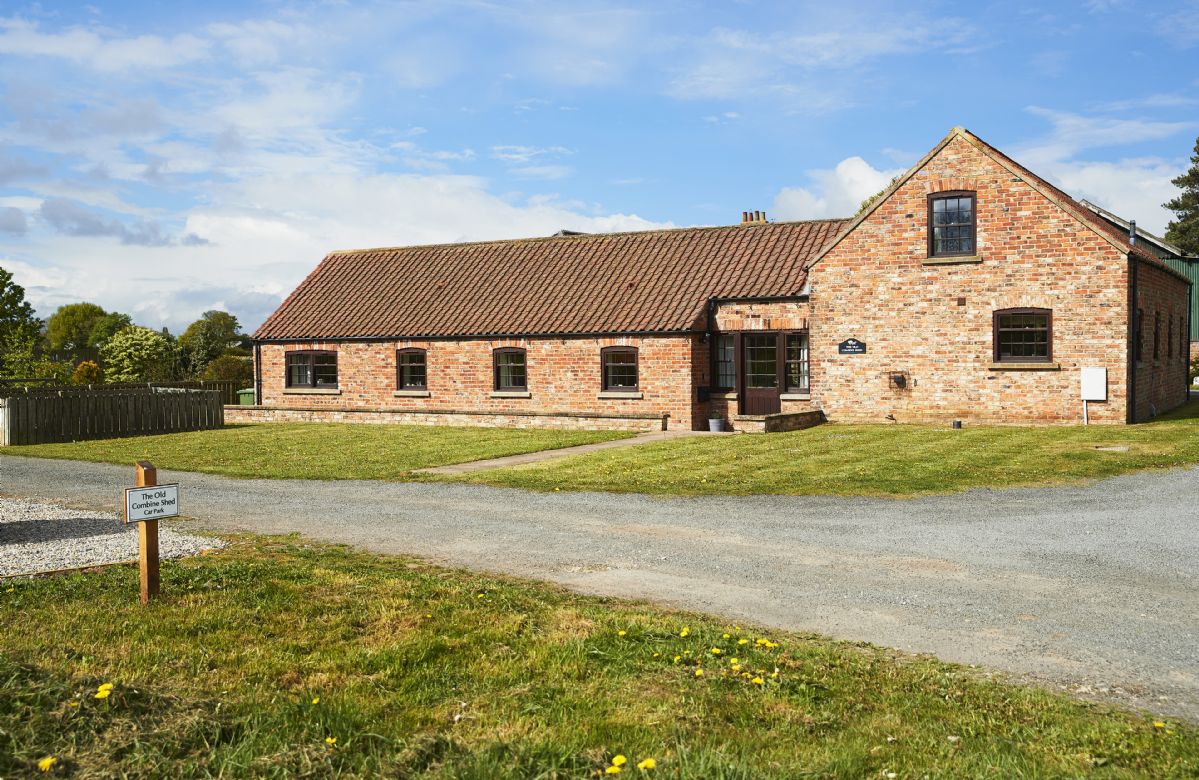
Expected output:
(852, 347)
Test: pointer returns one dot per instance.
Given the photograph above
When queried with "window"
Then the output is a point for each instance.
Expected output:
(410, 370)
(1157, 336)
(312, 369)
(761, 360)
(510, 371)
(619, 368)
(1023, 336)
(797, 362)
(1139, 350)
(951, 224)
(726, 364)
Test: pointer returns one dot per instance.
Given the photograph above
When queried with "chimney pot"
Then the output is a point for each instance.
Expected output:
(744, 217)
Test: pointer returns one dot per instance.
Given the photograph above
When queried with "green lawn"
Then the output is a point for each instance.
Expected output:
(869, 460)
(280, 658)
(316, 450)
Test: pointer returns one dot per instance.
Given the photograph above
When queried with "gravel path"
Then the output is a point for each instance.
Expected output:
(44, 537)
(1093, 588)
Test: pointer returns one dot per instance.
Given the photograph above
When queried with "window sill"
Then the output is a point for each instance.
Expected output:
(411, 394)
(511, 394)
(1025, 367)
(964, 260)
(311, 391)
(724, 396)
(632, 395)
(795, 397)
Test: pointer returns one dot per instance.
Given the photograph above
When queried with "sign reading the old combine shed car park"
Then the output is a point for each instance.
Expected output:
(851, 347)
(151, 503)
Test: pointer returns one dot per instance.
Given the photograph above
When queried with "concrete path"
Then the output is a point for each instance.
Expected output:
(564, 452)
(1095, 588)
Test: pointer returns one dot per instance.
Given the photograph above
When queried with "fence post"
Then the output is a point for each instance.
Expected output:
(147, 538)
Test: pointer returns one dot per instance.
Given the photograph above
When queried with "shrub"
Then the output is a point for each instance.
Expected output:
(231, 367)
(87, 373)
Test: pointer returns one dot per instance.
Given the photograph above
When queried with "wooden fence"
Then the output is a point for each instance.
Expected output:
(75, 414)
(227, 387)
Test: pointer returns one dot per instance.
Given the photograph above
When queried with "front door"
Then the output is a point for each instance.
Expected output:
(761, 360)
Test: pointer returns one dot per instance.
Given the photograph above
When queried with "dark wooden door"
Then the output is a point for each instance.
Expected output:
(761, 362)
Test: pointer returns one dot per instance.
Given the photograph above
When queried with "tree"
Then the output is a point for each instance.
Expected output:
(106, 327)
(208, 338)
(70, 328)
(19, 328)
(1184, 231)
(231, 368)
(138, 354)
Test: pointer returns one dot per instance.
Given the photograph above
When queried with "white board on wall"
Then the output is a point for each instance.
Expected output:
(1094, 384)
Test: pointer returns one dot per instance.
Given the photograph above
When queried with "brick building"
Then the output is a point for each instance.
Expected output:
(971, 289)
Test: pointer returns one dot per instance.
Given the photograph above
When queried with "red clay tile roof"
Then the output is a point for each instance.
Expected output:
(653, 281)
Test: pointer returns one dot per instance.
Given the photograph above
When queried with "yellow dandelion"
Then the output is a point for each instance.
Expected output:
(612, 770)
(1157, 724)
(757, 681)
(428, 616)
(13, 590)
(481, 595)
(316, 700)
(47, 763)
(657, 654)
(716, 651)
(686, 630)
(734, 660)
(736, 667)
(678, 658)
(103, 694)
(648, 763)
(619, 760)
(330, 741)
(621, 632)
(743, 641)
(699, 672)
(687, 652)
(727, 636)
(105, 687)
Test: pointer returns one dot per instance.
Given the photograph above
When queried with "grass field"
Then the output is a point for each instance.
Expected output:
(276, 658)
(316, 450)
(893, 460)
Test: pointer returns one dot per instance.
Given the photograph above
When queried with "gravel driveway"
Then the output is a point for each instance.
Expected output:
(1092, 588)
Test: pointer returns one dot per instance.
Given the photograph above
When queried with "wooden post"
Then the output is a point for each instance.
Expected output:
(147, 537)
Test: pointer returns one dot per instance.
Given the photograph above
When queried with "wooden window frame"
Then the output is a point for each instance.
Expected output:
(400, 368)
(715, 367)
(932, 243)
(495, 369)
(995, 350)
(786, 386)
(1169, 337)
(1139, 344)
(607, 352)
(1157, 335)
(311, 355)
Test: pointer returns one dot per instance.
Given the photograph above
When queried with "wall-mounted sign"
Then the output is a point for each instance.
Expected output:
(851, 347)
(151, 503)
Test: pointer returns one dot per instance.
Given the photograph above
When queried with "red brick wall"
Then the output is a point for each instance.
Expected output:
(1160, 383)
(563, 379)
(934, 322)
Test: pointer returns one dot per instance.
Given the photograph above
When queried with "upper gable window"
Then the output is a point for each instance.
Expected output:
(951, 223)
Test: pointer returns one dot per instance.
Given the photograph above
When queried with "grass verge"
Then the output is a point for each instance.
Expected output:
(897, 460)
(317, 450)
(276, 658)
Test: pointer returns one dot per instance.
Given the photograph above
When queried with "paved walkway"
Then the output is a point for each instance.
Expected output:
(1094, 588)
(565, 452)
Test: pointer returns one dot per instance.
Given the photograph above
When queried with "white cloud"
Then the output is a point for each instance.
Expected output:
(524, 154)
(1073, 133)
(833, 193)
(85, 47)
(1181, 27)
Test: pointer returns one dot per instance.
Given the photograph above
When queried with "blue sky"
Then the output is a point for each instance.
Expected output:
(164, 159)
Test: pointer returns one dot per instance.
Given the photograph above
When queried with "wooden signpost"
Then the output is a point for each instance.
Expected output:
(144, 505)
